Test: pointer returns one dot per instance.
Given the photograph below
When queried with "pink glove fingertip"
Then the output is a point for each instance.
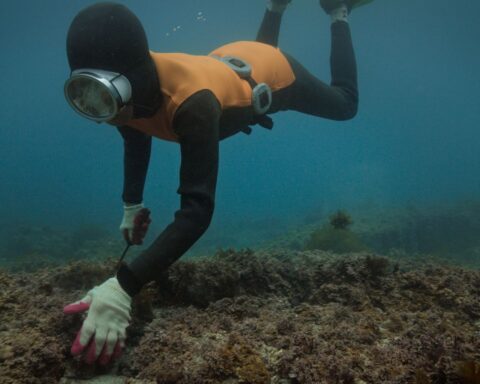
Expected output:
(77, 348)
(75, 308)
(90, 356)
(117, 352)
(104, 358)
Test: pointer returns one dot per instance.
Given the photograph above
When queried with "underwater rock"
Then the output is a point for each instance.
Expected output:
(338, 240)
(279, 317)
(103, 379)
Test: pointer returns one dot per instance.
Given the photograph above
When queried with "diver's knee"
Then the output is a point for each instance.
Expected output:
(348, 110)
(347, 103)
(352, 111)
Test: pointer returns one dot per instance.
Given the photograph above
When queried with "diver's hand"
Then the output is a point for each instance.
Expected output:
(134, 226)
(103, 332)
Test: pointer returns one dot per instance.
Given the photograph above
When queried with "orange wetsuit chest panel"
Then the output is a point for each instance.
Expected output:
(182, 75)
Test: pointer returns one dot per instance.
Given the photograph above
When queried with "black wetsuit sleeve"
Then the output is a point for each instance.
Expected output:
(137, 148)
(197, 125)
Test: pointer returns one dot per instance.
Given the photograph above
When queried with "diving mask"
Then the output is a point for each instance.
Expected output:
(96, 94)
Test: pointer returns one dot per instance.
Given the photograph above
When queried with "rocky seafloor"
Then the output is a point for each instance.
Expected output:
(246, 317)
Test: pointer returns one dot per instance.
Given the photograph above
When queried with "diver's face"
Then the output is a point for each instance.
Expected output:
(123, 117)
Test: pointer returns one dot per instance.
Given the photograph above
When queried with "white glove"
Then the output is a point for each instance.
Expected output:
(108, 317)
(128, 222)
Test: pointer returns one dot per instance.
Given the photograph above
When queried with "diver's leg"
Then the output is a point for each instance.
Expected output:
(270, 27)
(339, 100)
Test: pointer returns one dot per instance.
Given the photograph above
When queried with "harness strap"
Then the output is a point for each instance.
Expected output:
(261, 93)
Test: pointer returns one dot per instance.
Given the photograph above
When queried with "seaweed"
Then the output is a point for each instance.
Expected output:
(421, 377)
(336, 236)
(340, 220)
(468, 372)
(239, 360)
(339, 240)
(289, 317)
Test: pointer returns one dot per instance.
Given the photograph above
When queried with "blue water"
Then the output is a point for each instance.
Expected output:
(416, 138)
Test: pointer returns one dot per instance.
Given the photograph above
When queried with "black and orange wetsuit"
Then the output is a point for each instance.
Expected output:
(204, 101)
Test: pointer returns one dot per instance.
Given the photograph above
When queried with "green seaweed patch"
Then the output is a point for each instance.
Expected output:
(335, 240)
(341, 220)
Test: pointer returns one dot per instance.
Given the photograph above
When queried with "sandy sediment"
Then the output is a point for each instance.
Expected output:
(246, 317)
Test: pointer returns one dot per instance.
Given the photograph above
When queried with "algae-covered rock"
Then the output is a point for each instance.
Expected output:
(336, 236)
(247, 317)
(340, 220)
(338, 240)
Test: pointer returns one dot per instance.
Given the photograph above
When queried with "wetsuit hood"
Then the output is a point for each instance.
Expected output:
(109, 36)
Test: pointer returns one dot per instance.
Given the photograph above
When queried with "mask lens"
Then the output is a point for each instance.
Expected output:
(91, 98)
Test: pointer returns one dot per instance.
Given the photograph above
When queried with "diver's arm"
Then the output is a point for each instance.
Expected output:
(197, 125)
(137, 148)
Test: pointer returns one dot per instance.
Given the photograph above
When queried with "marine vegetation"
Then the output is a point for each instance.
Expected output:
(340, 220)
(336, 236)
(250, 317)
(468, 372)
